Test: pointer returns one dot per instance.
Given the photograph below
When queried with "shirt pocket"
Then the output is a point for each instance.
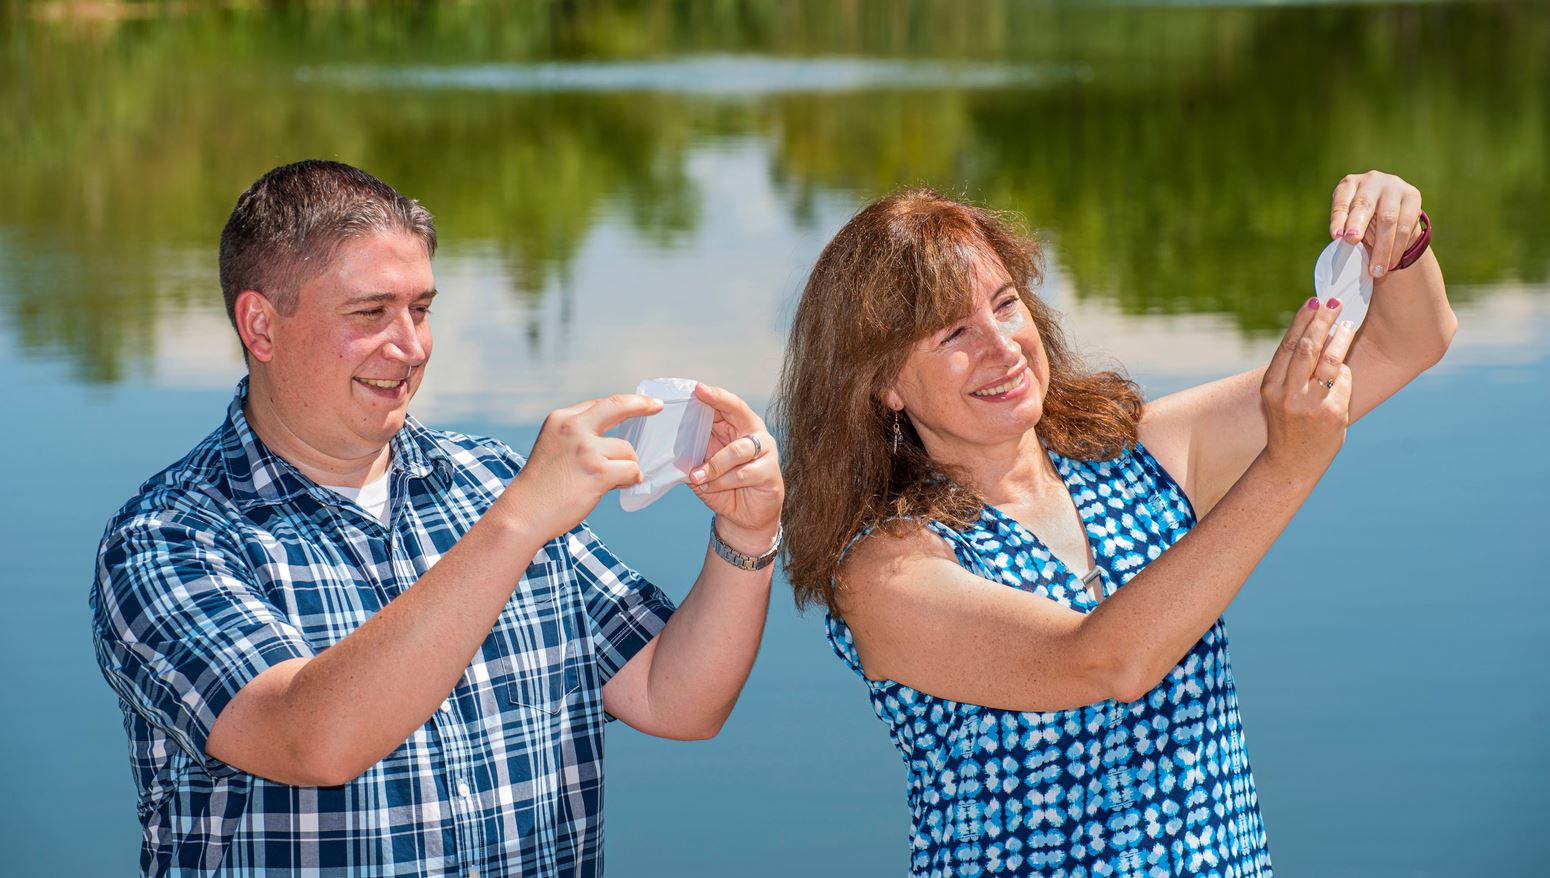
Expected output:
(536, 633)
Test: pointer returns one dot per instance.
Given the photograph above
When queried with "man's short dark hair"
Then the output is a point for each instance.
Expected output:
(287, 227)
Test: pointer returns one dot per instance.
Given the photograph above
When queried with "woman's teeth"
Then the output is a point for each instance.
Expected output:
(378, 382)
(1000, 388)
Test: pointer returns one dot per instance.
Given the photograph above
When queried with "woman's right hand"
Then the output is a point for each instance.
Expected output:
(1306, 391)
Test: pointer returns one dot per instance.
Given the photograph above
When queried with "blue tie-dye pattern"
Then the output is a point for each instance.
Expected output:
(1160, 786)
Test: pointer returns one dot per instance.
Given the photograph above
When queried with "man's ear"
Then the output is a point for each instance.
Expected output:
(256, 324)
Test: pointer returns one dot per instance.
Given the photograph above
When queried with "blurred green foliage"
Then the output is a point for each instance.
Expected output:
(1177, 158)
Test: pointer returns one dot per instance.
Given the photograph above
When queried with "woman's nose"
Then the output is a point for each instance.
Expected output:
(1004, 342)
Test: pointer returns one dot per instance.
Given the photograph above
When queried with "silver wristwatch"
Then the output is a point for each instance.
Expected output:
(738, 559)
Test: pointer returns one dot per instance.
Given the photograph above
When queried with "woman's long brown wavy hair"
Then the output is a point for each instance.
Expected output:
(900, 270)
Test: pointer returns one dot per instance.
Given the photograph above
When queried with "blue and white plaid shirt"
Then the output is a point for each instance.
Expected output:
(230, 561)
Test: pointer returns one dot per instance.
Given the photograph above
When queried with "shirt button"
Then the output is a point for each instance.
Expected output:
(446, 707)
(462, 788)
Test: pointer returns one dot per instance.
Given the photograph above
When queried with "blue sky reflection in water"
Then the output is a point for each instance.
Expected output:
(1388, 651)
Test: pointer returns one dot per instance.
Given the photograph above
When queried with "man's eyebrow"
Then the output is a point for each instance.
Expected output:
(381, 298)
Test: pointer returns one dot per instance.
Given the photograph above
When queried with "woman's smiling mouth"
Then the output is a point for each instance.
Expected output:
(1005, 389)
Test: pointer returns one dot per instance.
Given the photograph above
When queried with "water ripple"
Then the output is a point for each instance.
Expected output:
(713, 75)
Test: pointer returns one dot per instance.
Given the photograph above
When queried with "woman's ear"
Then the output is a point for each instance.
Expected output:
(892, 400)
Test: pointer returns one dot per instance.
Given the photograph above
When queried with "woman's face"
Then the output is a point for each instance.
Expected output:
(979, 382)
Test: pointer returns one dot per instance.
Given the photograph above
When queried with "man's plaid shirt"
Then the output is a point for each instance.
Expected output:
(230, 561)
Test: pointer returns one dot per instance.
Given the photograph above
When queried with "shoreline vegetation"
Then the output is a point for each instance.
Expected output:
(1180, 173)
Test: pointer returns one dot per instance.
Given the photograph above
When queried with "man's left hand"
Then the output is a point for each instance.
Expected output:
(740, 479)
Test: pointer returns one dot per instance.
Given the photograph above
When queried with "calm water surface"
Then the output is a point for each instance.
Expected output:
(625, 191)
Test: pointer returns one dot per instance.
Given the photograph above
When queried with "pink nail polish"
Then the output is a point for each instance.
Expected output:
(1350, 232)
(1333, 303)
(1313, 303)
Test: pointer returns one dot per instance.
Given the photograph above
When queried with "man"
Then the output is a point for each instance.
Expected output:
(347, 644)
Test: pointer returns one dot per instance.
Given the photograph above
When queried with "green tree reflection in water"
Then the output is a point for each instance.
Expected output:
(1177, 158)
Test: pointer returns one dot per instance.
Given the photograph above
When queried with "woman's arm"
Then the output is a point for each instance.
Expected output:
(1206, 436)
(920, 619)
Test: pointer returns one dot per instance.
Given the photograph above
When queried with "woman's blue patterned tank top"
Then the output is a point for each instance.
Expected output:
(1156, 787)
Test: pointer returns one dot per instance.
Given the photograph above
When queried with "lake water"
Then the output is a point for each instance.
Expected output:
(625, 191)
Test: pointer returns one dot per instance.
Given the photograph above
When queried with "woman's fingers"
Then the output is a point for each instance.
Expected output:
(1405, 229)
(1306, 351)
(1275, 373)
(1397, 213)
(1340, 206)
(1378, 209)
(1364, 199)
(1328, 369)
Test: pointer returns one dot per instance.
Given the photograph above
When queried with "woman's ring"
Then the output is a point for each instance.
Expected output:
(1329, 384)
(757, 448)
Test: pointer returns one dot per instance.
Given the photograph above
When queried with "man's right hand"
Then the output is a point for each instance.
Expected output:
(573, 464)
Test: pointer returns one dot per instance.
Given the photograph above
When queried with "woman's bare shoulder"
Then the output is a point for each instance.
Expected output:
(887, 554)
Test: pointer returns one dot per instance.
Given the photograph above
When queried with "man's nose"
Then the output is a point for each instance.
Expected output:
(404, 341)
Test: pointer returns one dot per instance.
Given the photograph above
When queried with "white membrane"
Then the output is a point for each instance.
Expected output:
(1341, 272)
(668, 444)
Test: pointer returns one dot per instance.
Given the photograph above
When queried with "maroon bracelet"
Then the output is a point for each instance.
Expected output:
(1420, 245)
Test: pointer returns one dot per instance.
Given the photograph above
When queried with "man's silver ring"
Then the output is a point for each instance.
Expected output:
(1329, 384)
(757, 447)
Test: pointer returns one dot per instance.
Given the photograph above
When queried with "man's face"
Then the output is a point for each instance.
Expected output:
(345, 364)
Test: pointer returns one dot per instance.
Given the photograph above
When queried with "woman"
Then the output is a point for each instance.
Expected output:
(1027, 563)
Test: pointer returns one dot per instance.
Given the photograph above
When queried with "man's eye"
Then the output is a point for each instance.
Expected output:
(369, 312)
(422, 309)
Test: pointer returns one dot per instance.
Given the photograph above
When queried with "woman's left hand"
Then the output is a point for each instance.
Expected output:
(740, 479)
(1380, 210)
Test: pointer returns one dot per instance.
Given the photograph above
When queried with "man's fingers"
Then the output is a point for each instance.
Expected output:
(741, 476)
(621, 473)
(610, 411)
(614, 448)
(739, 452)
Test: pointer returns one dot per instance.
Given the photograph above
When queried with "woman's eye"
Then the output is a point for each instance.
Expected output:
(951, 336)
(1006, 306)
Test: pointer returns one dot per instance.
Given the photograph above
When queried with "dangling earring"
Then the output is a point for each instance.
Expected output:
(897, 435)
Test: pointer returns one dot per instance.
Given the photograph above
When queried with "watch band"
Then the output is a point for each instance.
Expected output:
(1415, 250)
(738, 559)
